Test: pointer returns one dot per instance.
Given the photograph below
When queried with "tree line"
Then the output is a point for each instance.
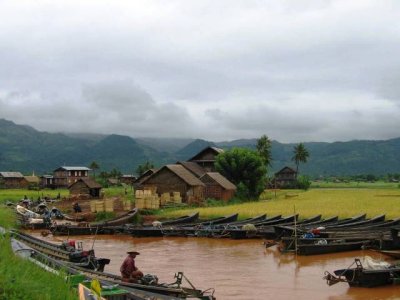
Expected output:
(248, 169)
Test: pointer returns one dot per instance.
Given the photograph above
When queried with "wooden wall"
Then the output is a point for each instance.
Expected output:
(166, 181)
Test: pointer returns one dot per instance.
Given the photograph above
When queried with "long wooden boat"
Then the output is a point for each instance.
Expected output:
(67, 251)
(392, 242)
(106, 227)
(379, 275)
(330, 247)
(73, 230)
(23, 211)
(354, 219)
(221, 231)
(120, 220)
(334, 229)
(129, 293)
(175, 289)
(288, 230)
(181, 220)
(150, 288)
(218, 221)
(252, 220)
(288, 244)
(375, 220)
(269, 232)
(181, 230)
(259, 230)
(157, 229)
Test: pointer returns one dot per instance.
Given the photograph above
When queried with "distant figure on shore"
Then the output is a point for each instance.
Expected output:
(129, 271)
(77, 208)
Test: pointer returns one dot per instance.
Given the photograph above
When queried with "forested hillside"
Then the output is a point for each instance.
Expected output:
(22, 148)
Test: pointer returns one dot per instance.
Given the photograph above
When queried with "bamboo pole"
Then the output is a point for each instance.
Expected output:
(295, 229)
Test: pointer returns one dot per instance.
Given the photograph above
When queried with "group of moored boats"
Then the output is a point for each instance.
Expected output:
(309, 236)
(72, 259)
(40, 217)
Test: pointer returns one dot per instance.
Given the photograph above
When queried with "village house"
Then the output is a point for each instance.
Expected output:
(32, 181)
(218, 187)
(12, 180)
(286, 177)
(127, 179)
(176, 178)
(46, 181)
(85, 187)
(113, 182)
(206, 158)
(65, 175)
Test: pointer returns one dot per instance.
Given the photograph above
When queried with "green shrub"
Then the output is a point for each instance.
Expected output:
(214, 202)
(104, 215)
(303, 182)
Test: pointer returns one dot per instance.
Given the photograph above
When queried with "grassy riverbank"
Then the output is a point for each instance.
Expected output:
(328, 202)
(23, 280)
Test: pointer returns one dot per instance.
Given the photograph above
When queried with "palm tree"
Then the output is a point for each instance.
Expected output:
(264, 149)
(300, 155)
(94, 166)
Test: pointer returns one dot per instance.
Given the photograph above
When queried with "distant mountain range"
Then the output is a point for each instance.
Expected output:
(25, 149)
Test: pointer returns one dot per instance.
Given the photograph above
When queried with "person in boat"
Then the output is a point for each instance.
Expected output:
(77, 208)
(129, 271)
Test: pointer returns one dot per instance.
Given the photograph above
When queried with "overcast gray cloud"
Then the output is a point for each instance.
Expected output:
(219, 70)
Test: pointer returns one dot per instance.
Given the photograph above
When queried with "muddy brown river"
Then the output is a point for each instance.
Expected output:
(236, 269)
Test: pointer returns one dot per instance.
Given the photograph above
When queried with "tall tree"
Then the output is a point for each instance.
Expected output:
(144, 167)
(264, 146)
(244, 168)
(300, 154)
(94, 166)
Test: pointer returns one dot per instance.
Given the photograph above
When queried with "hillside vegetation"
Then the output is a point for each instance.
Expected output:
(22, 148)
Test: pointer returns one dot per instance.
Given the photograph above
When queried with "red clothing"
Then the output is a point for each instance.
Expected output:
(128, 267)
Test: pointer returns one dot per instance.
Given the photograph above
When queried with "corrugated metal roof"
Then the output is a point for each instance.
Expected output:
(193, 167)
(68, 168)
(11, 174)
(219, 150)
(221, 180)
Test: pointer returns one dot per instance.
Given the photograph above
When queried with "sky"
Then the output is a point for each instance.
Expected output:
(296, 71)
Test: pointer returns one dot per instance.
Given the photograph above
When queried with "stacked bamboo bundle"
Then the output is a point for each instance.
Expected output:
(102, 205)
(109, 205)
(177, 197)
(139, 203)
(165, 198)
(127, 205)
(97, 206)
(146, 199)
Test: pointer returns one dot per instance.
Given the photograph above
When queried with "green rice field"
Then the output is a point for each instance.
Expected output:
(328, 202)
